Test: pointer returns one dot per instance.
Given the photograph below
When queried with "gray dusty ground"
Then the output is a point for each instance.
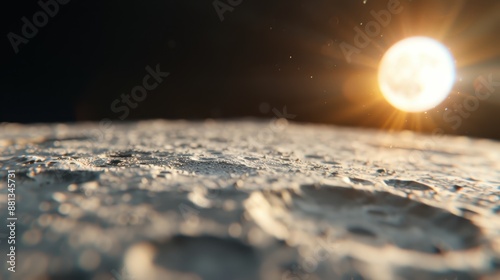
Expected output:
(249, 200)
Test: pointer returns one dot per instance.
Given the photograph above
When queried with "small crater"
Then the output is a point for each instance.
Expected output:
(408, 184)
(361, 182)
(121, 154)
(361, 231)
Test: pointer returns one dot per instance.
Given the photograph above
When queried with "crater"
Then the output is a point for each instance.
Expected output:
(359, 181)
(201, 257)
(408, 184)
(407, 224)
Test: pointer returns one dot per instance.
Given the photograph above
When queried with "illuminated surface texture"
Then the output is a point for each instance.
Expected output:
(250, 200)
(416, 74)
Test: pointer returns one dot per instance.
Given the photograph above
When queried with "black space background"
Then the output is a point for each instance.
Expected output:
(93, 51)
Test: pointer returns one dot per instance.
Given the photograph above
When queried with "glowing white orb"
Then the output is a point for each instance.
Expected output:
(416, 74)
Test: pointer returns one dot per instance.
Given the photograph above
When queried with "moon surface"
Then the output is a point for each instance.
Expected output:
(243, 200)
(416, 74)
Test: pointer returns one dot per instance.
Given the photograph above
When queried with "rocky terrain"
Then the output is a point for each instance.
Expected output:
(249, 200)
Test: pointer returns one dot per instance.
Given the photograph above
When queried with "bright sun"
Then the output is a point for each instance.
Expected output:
(416, 74)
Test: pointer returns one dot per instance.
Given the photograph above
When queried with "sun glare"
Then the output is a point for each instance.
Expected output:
(416, 74)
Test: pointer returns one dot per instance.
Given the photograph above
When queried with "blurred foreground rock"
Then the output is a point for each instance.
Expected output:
(249, 200)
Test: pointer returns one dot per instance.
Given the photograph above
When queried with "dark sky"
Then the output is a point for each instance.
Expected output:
(249, 58)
